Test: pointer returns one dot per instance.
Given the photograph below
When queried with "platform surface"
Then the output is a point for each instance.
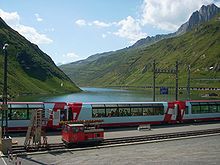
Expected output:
(55, 137)
(197, 151)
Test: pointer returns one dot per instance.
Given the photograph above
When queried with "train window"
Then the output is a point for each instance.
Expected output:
(111, 110)
(136, 110)
(98, 110)
(70, 114)
(124, 110)
(81, 129)
(204, 108)
(75, 129)
(63, 115)
(187, 110)
(158, 109)
(195, 108)
(36, 106)
(98, 113)
(18, 114)
(213, 108)
(29, 113)
(147, 111)
(218, 107)
(18, 106)
(153, 109)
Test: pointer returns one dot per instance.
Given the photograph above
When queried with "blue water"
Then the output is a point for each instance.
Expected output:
(101, 95)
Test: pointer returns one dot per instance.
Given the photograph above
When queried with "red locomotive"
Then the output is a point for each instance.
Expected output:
(82, 132)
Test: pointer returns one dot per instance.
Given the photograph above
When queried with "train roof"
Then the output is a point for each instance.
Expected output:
(201, 101)
(96, 103)
(24, 102)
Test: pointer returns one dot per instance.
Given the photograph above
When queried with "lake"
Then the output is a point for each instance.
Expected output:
(90, 94)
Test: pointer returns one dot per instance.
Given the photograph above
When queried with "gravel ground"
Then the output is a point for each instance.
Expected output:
(205, 150)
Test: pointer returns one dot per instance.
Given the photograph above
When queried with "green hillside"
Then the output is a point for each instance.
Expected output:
(30, 71)
(132, 66)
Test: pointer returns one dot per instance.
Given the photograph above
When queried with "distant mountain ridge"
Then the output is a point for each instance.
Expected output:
(30, 70)
(204, 14)
(132, 66)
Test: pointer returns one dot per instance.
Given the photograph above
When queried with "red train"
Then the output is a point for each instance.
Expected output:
(114, 114)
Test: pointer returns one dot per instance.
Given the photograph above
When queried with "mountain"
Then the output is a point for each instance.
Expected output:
(205, 14)
(151, 40)
(30, 70)
(132, 66)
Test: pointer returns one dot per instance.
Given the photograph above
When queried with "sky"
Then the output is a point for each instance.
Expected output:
(72, 30)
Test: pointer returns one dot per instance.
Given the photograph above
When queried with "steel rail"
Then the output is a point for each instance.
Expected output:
(108, 142)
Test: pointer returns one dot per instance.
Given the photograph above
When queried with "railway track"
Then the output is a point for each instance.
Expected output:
(19, 150)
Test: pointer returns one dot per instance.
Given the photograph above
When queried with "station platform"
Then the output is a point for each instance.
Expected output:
(55, 137)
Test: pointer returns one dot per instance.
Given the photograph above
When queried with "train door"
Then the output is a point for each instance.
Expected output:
(75, 108)
(175, 112)
(63, 115)
(56, 117)
(58, 112)
(70, 114)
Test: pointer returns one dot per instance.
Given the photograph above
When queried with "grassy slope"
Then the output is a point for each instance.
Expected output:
(199, 48)
(30, 71)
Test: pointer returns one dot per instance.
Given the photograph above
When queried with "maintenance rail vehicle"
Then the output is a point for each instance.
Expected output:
(81, 132)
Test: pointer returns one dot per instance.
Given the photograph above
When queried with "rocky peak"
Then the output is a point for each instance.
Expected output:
(204, 14)
(208, 12)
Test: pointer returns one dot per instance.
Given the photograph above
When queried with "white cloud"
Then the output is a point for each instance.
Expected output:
(81, 22)
(101, 24)
(49, 29)
(169, 14)
(130, 29)
(13, 20)
(163, 14)
(31, 34)
(217, 3)
(104, 35)
(39, 19)
(69, 57)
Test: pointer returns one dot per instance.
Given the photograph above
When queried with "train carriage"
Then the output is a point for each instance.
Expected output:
(113, 114)
(19, 114)
(116, 114)
(201, 110)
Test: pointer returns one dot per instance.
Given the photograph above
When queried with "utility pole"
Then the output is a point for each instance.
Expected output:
(177, 84)
(165, 71)
(154, 80)
(188, 83)
(5, 94)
